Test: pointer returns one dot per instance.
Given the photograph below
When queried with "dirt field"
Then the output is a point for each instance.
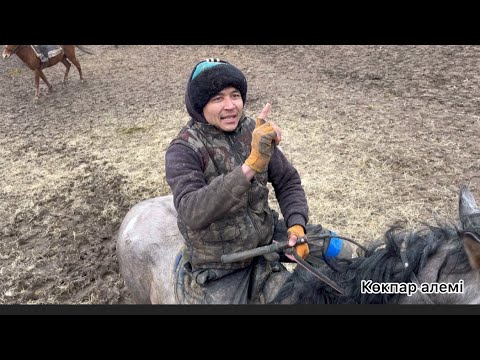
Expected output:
(378, 133)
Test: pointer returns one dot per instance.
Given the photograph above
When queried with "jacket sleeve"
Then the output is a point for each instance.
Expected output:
(198, 203)
(288, 190)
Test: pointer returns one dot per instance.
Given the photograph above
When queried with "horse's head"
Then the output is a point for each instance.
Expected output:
(470, 219)
(457, 260)
(9, 50)
(437, 264)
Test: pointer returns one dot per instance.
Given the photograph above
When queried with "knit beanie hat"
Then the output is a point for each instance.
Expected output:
(210, 77)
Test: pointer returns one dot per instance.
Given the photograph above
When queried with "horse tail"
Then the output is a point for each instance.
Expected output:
(85, 49)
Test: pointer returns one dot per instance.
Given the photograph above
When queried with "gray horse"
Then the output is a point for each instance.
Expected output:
(147, 244)
(149, 240)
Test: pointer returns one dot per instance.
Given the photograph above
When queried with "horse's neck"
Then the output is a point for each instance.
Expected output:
(434, 273)
(27, 55)
(430, 272)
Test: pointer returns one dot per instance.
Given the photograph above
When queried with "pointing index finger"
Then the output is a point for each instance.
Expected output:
(265, 111)
(263, 115)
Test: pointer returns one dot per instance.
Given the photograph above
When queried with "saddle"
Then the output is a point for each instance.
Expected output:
(44, 52)
(265, 280)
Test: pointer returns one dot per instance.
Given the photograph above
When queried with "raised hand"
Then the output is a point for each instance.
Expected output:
(266, 133)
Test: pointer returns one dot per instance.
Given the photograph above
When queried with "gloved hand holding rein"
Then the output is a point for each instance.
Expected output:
(296, 232)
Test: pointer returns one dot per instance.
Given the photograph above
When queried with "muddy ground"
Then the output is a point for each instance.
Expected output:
(379, 134)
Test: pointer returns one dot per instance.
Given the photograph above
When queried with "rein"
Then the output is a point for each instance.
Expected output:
(315, 271)
(283, 246)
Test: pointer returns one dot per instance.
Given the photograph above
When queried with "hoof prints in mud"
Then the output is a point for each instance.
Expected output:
(62, 243)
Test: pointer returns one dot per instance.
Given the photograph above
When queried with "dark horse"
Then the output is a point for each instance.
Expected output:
(438, 264)
(441, 262)
(28, 55)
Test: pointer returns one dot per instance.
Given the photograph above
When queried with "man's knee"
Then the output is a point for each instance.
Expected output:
(332, 247)
(345, 250)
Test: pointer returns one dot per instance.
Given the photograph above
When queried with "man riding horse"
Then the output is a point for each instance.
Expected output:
(218, 168)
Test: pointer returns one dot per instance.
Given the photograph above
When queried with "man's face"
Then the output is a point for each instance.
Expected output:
(224, 109)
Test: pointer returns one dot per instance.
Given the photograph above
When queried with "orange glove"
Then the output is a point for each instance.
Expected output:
(262, 138)
(299, 232)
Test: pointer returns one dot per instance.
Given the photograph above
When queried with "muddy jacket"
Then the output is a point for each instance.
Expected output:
(219, 210)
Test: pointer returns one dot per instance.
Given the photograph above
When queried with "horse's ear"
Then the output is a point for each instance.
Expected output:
(472, 247)
(467, 205)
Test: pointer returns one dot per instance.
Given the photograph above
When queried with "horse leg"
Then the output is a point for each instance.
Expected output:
(77, 65)
(40, 73)
(37, 84)
(67, 65)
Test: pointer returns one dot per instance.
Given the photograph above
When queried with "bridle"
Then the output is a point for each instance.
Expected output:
(15, 49)
(472, 234)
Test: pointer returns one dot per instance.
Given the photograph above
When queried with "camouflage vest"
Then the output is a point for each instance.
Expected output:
(248, 224)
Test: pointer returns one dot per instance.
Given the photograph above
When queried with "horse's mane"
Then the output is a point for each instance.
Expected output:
(382, 262)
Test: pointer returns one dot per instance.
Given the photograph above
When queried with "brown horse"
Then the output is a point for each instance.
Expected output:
(28, 55)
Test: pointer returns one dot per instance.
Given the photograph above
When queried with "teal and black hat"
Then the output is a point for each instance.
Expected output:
(211, 76)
